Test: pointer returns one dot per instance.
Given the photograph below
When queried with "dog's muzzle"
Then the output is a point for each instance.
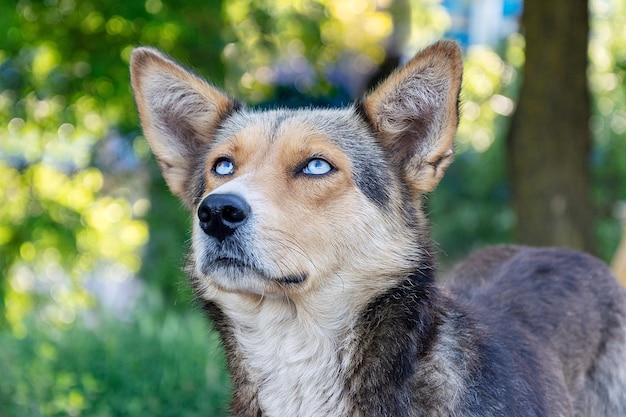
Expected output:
(221, 214)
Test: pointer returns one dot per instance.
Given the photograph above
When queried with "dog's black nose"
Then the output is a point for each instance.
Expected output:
(221, 214)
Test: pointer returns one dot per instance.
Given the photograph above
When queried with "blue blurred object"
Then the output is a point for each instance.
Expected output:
(483, 22)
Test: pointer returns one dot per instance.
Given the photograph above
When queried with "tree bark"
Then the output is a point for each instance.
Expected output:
(550, 140)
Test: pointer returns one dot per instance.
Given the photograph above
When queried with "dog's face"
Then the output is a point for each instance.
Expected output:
(289, 202)
(281, 207)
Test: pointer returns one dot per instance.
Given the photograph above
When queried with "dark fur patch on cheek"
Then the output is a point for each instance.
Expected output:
(374, 185)
(371, 172)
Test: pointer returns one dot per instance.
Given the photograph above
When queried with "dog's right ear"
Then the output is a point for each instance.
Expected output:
(179, 114)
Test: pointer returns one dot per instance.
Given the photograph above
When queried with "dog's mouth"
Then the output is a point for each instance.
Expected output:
(228, 263)
(237, 270)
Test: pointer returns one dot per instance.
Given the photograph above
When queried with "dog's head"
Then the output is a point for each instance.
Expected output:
(287, 202)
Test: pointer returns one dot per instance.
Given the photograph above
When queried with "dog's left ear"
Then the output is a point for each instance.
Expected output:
(415, 114)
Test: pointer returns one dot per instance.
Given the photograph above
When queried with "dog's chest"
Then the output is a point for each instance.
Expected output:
(296, 365)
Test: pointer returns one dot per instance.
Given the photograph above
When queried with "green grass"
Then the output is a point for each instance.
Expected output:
(157, 364)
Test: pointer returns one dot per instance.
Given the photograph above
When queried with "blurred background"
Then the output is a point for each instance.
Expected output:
(95, 316)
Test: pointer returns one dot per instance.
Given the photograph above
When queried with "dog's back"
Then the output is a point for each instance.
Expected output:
(534, 299)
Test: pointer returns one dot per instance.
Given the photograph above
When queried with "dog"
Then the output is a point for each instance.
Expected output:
(310, 253)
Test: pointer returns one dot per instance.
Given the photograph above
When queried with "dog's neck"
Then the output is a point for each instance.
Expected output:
(330, 358)
(293, 355)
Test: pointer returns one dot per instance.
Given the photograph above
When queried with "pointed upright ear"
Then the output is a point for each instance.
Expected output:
(179, 114)
(415, 114)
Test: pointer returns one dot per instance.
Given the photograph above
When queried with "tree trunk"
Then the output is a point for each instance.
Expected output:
(549, 142)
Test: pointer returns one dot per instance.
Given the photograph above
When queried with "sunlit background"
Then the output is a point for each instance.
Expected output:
(95, 316)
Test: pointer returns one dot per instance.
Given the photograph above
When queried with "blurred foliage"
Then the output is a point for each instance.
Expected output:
(80, 193)
(159, 364)
(318, 45)
(73, 187)
(607, 80)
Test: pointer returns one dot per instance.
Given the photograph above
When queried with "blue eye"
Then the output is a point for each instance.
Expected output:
(317, 166)
(224, 166)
